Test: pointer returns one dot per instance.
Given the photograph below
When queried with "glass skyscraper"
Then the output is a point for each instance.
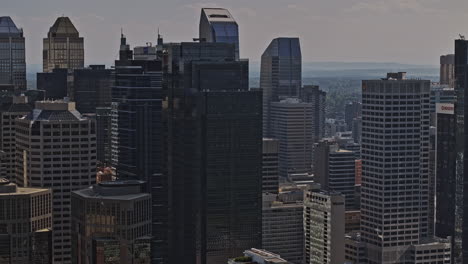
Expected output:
(12, 55)
(63, 48)
(218, 25)
(280, 75)
(136, 133)
(214, 154)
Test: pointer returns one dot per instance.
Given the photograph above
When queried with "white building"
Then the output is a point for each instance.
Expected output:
(324, 227)
(56, 149)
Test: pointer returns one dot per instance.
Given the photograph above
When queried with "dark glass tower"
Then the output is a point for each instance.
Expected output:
(461, 80)
(92, 88)
(445, 214)
(280, 75)
(136, 134)
(214, 154)
(12, 55)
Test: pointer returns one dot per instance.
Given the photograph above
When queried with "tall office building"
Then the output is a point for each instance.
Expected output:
(8, 113)
(335, 170)
(270, 166)
(56, 149)
(63, 48)
(214, 153)
(282, 229)
(312, 94)
(136, 133)
(395, 166)
(291, 124)
(53, 83)
(446, 185)
(447, 70)
(13, 55)
(280, 75)
(352, 110)
(461, 90)
(25, 224)
(104, 134)
(441, 94)
(218, 25)
(92, 88)
(324, 227)
(111, 223)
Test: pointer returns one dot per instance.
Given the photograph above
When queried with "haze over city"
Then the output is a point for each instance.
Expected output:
(403, 31)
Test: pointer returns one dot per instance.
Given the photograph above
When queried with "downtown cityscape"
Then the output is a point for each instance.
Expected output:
(187, 152)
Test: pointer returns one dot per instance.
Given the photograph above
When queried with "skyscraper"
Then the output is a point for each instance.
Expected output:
(56, 149)
(270, 166)
(461, 90)
(63, 48)
(447, 70)
(26, 222)
(92, 88)
(324, 227)
(446, 188)
(352, 110)
(214, 153)
(111, 223)
(13, 58)
(8, 113)
(335, 170)
(395, 166)
(136, 133)
(312, 94)
(291, 124)
(53, 83)
(280, 75)
(218, 25)
(282, 229)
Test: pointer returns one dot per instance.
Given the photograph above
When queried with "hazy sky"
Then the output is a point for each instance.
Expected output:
(405, 31)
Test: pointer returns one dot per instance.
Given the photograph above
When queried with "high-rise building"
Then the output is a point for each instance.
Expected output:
(13, 55)
(8, 113)
(270, 166)
(258, 256)
(282, 229)
(214, 153)
(218, 25)
(92, 88)
(25, 224)
(104, 134)
(291, 124)
(111, 223)
(441, 94)
(335, 170)
(136, 133)
(447, 69)
(63, 48)
(324, 227)
(53, 83)
(56, 149)
(445, 181)
(395, 166)
(352, 110)
(357, 130)
(312, 94)
(280, 75)
(461, 90)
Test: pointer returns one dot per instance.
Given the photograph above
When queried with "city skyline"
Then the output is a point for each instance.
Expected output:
(327, 28)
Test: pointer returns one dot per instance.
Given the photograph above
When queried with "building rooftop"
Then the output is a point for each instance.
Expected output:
(59, 110)
(114, 190)
(218, 15)
(7, 188)
(8, 27)
(63, 27)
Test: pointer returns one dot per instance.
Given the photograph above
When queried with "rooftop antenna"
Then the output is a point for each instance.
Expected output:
(461, 37)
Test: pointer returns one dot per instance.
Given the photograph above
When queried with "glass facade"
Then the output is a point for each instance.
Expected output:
(218, 25)
(214, 154)
(280, 75)
(63, 48)
(12, 55)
